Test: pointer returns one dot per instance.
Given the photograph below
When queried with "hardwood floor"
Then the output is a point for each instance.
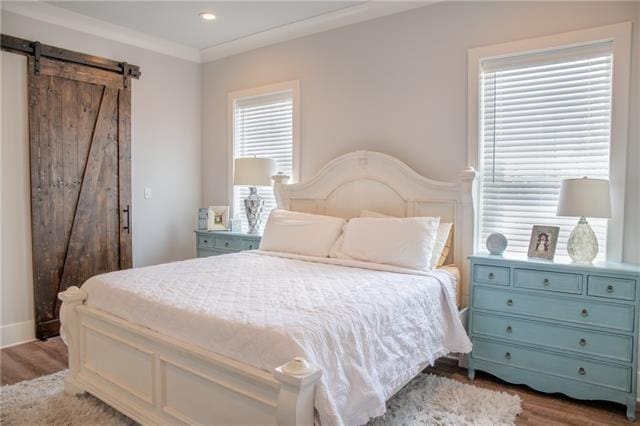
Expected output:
(31, 360)
(36, 359)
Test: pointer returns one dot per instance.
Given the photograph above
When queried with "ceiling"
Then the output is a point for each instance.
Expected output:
(179, 21)
(175, 28)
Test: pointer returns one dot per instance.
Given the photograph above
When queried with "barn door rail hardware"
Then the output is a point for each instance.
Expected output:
(39, 50)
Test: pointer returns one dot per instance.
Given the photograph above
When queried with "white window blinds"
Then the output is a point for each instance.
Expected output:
(544, 117)
(263, 127)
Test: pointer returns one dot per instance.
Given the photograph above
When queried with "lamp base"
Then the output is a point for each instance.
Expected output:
(253, 206)
(583, 244)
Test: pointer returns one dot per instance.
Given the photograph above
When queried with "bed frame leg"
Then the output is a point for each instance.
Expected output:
(295, 401)
(71, 299)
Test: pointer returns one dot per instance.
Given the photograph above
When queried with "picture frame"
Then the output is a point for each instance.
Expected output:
(203, 214)
(218, 218)
(543, 242)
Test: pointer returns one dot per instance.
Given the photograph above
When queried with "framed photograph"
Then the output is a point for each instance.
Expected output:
(218, 218)
(543, 241)
(203, 214)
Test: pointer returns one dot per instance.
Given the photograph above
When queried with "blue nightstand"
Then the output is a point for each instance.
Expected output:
(212, 243)
(557, 327)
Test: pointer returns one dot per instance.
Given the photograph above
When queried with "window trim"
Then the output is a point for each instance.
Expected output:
(232, 97)
(620, 36)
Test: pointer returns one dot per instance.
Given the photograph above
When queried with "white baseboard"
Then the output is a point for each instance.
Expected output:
(17, 333)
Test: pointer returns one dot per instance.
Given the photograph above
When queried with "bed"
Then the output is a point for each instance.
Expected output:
(276, 338)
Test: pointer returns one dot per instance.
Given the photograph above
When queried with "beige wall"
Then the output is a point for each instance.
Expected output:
(166, 149)
(399, 85)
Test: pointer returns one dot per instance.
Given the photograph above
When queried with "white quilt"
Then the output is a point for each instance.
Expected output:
(369, 327)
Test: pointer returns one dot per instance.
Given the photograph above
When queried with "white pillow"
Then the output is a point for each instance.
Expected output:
(300, 233)
(406, 242)
(444, 228)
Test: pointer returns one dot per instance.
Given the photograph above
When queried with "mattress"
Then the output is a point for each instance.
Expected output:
(369, 327)
(455, 272)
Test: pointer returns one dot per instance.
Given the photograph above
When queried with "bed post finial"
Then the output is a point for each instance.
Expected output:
(72, 298)
(465, 239)
(295, 401)
(280, 179)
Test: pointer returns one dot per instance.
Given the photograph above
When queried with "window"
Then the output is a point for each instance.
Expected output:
(544, 118)
(542, 110)
(264, 125)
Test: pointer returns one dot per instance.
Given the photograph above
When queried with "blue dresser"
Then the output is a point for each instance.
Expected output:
(212, 243)
(557, 327)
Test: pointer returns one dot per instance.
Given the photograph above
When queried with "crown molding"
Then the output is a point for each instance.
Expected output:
(316, 24)
(360, 12)
(66, 18)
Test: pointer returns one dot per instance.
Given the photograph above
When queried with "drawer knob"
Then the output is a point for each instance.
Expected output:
(609, 288)
(205, 241)
(509, 329)
(507, 355)
(546, 282)
(584, 313)
(582, 371)
(583, 342)
(226, 244)
(250, 246)
(491, 276)
(509, 302)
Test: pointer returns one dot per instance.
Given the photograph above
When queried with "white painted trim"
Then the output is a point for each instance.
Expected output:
(620, 35)
(316, 24)
(66, 18)
(232, 97)
(17, 333)
(349, 15)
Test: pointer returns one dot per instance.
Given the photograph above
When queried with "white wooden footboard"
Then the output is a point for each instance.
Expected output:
(156, 379)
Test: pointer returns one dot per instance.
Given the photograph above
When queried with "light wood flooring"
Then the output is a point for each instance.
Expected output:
(35, 359)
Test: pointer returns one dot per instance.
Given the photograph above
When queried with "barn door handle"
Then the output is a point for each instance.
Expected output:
(128, 225)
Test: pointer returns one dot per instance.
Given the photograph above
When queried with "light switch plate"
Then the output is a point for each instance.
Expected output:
(147, 192)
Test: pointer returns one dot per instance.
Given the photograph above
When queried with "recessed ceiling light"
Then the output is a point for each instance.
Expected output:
(207, 16)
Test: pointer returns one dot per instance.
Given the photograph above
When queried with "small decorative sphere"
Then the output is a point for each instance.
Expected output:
(496, 243)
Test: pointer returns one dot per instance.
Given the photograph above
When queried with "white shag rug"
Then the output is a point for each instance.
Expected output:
(426, 400)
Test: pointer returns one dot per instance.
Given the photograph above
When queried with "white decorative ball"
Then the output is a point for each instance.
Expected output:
(496, 243)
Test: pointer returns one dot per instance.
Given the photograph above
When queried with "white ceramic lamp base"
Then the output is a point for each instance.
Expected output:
(583, 244)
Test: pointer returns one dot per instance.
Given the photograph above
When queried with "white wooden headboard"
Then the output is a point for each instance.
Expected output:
(367, 180)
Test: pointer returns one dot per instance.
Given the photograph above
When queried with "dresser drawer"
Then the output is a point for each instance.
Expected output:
(580, 311)
(609, 375)
(613, 288)
(549, 281)
(227, 243)
(249, 245)
(208, 252)
(205, 242)
(594, 343)
(487, 274)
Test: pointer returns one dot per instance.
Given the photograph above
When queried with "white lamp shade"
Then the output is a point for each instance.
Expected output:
(253, 171)
(584, 197)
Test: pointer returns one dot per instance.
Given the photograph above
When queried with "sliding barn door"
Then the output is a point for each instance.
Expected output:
(80, 142)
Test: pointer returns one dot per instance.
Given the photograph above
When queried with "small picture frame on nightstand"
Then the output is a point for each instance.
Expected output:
(543, 241)
(218, 218)
(203, 214)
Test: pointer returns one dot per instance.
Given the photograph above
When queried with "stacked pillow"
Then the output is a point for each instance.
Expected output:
(419, 243)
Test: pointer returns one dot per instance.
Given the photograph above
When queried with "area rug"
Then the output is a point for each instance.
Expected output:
(427, 400)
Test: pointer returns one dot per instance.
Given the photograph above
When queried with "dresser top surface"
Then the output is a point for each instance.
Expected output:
(228, 234)
(525, 261)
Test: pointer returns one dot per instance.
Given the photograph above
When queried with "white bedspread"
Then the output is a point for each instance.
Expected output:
(369, 327)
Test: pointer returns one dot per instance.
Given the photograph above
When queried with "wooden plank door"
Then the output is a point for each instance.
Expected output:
(80, 148)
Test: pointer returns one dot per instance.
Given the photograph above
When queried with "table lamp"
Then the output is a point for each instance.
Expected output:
(253, 172)
(584, 198)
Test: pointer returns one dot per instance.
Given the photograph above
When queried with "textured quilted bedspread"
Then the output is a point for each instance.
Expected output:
(369, 327)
